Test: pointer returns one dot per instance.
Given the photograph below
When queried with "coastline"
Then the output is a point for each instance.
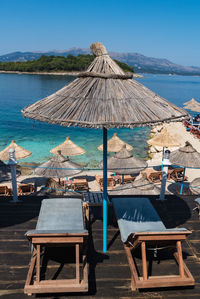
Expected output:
(54, 73)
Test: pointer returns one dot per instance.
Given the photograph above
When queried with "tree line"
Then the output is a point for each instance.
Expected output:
(56, 64)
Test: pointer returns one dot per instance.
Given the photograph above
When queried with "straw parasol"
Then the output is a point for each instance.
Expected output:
(138, 187)
(125, 163)
(186, 156)
(20, 152)
(104, 97)
(164, 139)
(191, 102)
(58, 166)
(115, 144)
(68, 148)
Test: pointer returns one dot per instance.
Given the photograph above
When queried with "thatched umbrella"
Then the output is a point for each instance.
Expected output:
(104, 97)
(191, 102)
(164, 139)
(186, 157)
(125, 163)
(20, 152)
(68, 148)
(138, 187)
(115, 144)
(58, 166)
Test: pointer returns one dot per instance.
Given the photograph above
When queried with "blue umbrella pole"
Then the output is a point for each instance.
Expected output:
(181, 190)
(104, 190)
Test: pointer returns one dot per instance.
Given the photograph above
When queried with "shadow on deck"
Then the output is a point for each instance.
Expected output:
(109, 274)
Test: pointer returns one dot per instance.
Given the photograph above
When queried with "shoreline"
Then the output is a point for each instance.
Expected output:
(54, 73)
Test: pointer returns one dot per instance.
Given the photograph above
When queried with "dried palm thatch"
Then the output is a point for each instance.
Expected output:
(191, 102)
(164, 139)
(192, 107)
(104, 96)
(20, 152)
(115, 144)
(68, 148)
(186, 156)
(125, 163)
(138, 187)
(58, 166)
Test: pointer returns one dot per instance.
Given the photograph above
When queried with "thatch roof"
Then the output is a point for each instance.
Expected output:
(125, 163)
(68, 148)
(186, 156)
(115, 144)
(138, 187)
(192, 107)
(20, 152)
(164, 139)
(104, 96)
(192, 101)
(58, 166)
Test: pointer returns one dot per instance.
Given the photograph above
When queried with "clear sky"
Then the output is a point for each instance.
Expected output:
(157, 28)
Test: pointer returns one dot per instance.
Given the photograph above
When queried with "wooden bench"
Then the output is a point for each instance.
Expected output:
(60, 223)
(141, 226)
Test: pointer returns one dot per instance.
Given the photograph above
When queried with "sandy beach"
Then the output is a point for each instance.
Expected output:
(175, 128)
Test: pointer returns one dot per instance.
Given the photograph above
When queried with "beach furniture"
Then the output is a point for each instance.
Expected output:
(110, 182)
(25, 189)
(141, 226)
(60, 223)
(5, 191)
(93, 199)
(177, 175)
(80, 184)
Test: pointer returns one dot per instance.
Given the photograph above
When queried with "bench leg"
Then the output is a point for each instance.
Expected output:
(144, 260)
(180, 258)
(77, 264)
(38, 264)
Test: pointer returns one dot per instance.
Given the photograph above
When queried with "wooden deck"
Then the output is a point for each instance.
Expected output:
(109, 274)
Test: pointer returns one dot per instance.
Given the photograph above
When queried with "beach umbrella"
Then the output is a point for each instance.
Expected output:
(164, 139)
(68, 148)
(138, 187)
(20, 152)
(115, 144)
(191, 102)
(104, 97)
(195, 108)
(186, 157)
(58, 166)
(124, 162)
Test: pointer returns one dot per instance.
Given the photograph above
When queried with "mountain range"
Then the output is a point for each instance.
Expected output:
(141, 63)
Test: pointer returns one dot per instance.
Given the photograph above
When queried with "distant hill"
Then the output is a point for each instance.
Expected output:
(141, 63)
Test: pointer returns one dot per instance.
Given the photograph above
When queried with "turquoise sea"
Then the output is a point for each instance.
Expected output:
(19, 90)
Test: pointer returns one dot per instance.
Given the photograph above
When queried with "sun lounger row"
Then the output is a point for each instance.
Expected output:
(175, 174)
(75, 184)
(112, 181)
(22, 189)
(61, 224)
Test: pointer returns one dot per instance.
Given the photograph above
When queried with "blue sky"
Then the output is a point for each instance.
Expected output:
(157, 28)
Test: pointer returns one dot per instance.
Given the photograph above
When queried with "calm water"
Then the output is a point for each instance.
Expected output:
(18, 91)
